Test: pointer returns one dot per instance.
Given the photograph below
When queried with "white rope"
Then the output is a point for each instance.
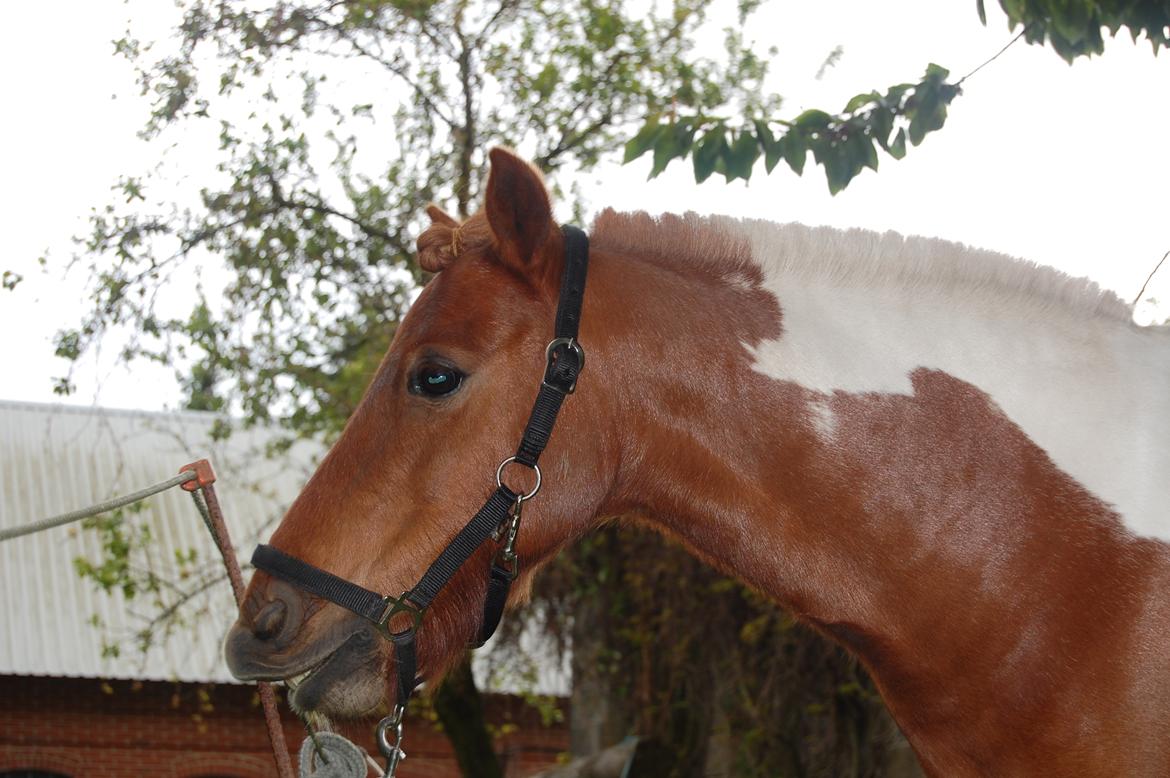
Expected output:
(330, 755)
(377, 768)
(93, 510)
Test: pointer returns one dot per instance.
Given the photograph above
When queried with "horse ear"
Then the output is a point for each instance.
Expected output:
(518, 209)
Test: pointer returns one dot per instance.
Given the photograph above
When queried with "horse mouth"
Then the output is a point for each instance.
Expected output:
(340, 678)
(344, 684)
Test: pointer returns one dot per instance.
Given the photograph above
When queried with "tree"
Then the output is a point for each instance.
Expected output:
(846, 143)
(317, 248)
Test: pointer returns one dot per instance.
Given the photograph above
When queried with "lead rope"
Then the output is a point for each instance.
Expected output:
(97, 508)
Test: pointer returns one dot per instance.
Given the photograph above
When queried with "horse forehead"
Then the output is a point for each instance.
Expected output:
(466, 305)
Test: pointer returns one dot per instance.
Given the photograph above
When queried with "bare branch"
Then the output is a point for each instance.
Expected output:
(396, 67)
(505, 6)
(1150, 277)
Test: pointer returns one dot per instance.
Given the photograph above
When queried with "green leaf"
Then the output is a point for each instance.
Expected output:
(813, 120)
(1073, 25)
(839, 169)
(741, 156)
(795, 151)
(773, 147)
(881, 124)
(982, 12)
(673, 141)
(707, 152)
(929, 115)
(862, 152)
(936, 74)
(924, 104)
(763, 133)
(644, 140)
(897, 149)
(859, 100)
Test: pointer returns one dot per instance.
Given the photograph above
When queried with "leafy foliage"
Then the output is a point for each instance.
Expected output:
(130, 566)
(846, 143)
(843, 144)
(1075, 29)
(702, 663)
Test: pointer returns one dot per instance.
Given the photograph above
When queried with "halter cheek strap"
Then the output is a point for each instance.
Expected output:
(499, 517)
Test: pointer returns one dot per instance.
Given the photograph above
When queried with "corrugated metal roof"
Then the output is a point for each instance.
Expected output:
(56, 458)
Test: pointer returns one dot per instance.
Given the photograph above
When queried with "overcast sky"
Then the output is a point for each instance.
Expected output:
(1063, 165)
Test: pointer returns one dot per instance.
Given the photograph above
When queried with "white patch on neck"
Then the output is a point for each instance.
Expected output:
(1089, 388)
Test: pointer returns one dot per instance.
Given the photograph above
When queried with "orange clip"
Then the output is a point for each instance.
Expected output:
(204, 475)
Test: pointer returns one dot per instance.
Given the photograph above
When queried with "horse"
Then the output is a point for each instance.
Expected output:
(951, 462)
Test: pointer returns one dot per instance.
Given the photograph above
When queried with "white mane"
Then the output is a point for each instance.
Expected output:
(863, 257)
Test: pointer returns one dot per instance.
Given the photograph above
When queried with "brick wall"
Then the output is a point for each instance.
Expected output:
(119, 729)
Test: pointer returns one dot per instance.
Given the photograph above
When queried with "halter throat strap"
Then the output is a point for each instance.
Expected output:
(565, 360)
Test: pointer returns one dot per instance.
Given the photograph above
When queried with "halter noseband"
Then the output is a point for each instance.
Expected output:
(498, 518)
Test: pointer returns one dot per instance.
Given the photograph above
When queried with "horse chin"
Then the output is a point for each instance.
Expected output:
(347, 685)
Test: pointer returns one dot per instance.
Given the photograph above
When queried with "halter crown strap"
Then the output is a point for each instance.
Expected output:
(565, 360)
(565, 357)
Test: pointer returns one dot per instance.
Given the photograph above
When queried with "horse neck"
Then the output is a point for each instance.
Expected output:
(921, 528)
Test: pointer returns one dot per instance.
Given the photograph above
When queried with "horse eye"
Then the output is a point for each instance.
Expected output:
(435, 380)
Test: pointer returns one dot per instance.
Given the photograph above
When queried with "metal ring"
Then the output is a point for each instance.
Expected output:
(500, 475)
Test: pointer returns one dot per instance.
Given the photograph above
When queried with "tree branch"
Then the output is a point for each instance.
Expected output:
(1150, 277)
(505, 6)
(364, 226)
(571, 139)
(467, 139)
(395, 67)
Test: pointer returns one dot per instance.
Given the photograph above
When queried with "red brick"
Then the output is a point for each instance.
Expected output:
(72, 726)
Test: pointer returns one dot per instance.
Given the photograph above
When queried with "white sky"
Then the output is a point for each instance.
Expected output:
(1062, 165)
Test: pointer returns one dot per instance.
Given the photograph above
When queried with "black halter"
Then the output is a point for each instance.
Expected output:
(499, 516)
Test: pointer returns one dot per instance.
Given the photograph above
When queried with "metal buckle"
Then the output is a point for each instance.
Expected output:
(394, 606)
(574, 346)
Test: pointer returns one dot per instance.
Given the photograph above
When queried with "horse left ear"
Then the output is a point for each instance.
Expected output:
(518, 209)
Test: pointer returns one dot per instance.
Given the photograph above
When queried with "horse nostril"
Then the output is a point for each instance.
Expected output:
(270, 620)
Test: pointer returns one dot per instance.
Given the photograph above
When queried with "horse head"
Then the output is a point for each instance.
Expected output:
(418, 457)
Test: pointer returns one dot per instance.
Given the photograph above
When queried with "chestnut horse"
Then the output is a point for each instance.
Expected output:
(953, 463)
